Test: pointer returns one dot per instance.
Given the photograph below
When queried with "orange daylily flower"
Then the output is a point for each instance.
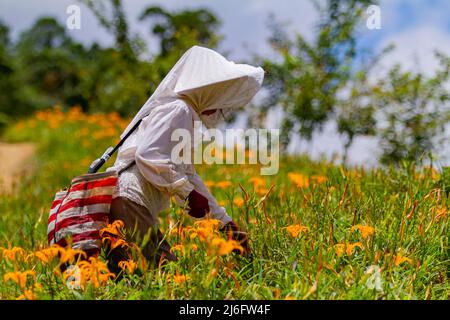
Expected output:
(48, 254)
(239, 202)
(399, 259)
(226, 246)
(69, 254)
(296, 229)
(92, 271)
(441, 213)
(13, 253)
(130, 266)
(114, 228)
(319, 179)
(115, 243)
(19, 277)
(257, 182)
(366, 231)
(28, 294)
(299, 180)
(223, 184)
(262, 191)
(178, 247)
(209, 183)
(204, 229)
(179, 279)
(347, 248)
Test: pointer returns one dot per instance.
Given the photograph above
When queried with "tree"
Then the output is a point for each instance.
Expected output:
(114, 20)
(414, 113)
(311, 75)
(11, 98)
(173, 28)
(51, 64)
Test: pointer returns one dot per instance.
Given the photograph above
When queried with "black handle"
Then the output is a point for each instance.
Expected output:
(96, 165)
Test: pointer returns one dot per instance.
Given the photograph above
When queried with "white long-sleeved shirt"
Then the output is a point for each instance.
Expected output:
(155, 177)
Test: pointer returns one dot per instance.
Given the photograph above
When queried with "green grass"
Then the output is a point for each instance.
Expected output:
(281, 266)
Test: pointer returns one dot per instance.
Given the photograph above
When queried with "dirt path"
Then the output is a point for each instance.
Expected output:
(14, 163)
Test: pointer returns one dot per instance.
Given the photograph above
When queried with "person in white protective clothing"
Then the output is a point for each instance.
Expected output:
(202, 85)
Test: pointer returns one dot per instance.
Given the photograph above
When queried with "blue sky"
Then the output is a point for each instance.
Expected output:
(416, 27)
(244, 22)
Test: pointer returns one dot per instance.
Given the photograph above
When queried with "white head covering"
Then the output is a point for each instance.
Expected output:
(206, 80)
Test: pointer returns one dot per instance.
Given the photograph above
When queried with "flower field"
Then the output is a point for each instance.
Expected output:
(317, 230)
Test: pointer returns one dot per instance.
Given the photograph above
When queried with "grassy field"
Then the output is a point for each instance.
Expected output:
(321, 232)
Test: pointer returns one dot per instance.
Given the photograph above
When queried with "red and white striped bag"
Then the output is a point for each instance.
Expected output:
(81, 211)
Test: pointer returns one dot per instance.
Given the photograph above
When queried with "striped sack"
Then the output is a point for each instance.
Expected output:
(81, 211)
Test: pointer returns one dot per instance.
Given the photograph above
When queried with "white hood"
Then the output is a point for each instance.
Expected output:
(206, 80)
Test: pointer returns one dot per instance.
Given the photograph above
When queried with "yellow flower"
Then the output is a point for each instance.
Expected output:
(13, 253)
(48, 254)
(296, 229)
(239, 202)
(92, 271)
(178, 247)
(257, 182)
(299, 180)
(366, 231)
(19, 277)
(113, 235)
(204, 229)
(223, 184)
(130, 266)
(226, 246)
(69, 255)
(399, 259)
(347, 248)
(208, 223)
(179, 279)
(209, 183)
(115, 243)
(114, 228)
(441, 213)
(262, 191)
(319, 179)
(28, 294)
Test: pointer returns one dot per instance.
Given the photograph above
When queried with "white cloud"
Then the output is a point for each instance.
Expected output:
(415, 48)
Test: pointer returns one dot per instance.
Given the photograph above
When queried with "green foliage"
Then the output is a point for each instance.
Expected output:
(200, 25)
(414, 113)
(408, 251)
(46, 67)
(113, 18)
(11, 86)
(314, 81)
(311, 73)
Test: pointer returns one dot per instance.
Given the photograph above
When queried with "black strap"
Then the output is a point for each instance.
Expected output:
(126, 137)
(98, 163)
(128, 166)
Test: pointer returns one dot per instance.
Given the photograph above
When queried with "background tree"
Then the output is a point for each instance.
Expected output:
(51, 64)
(11, 101)
(111, 15)
(311, 74)
(201, 26)
(178, 31)
(414, 111)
